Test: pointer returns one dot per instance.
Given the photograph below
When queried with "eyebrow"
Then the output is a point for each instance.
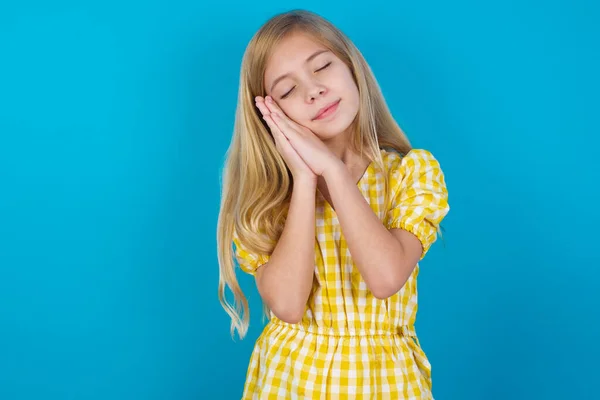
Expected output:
(313, 55)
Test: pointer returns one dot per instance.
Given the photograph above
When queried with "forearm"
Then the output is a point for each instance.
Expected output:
(286, 280)
(376, 252)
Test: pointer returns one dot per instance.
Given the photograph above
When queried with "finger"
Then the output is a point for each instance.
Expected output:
(282, 144)
(260, 104)
(284, 125)
(278, 134)
(275, 109)
(263, 110)
(272, 105)
(275, 131)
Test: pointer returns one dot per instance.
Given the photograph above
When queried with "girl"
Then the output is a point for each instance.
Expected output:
(330, 210)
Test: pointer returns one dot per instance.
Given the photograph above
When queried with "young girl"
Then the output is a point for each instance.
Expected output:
(330, 209)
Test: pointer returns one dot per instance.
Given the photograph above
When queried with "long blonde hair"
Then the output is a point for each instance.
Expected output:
(256, 183)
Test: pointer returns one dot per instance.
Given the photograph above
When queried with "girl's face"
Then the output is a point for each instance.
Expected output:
(305, 78)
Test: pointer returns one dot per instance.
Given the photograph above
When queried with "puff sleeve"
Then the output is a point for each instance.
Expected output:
(418, 198)
(247, 260)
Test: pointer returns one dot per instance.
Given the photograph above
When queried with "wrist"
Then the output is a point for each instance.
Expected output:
(335, 168)
(309, 182)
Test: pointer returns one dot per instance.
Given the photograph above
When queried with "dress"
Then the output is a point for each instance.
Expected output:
(349, 344)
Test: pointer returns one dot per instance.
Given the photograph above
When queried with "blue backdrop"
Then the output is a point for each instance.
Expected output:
(114, 120)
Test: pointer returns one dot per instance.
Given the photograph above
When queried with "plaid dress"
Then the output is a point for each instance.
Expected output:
(349, 344)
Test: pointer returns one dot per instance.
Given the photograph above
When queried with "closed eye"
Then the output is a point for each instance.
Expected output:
(288, 93)
(324, 66)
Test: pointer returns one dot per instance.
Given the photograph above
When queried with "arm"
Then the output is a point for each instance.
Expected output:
(385, 258)
(285, 281)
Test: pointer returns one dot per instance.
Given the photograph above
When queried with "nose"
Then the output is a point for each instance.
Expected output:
(314, 91)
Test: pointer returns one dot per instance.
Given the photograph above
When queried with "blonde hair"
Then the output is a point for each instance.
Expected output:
(256, 184)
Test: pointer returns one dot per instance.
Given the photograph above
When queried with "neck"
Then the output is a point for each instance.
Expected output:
(340, 147)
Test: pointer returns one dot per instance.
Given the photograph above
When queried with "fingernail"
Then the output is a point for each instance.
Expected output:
(269, 99)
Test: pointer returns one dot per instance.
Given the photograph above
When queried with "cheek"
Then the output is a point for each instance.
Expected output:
(342, 76)
(294, 110)
(348, 82)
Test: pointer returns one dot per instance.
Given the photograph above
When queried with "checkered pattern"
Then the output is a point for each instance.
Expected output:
(349, 344)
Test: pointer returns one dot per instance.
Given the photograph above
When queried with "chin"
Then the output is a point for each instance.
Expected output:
(328, 134)
(333, 128)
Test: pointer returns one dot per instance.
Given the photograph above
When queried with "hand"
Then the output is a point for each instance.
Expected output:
(310, 148)
(297, 166)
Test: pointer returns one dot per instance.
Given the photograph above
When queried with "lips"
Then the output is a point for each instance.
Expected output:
(325, 109)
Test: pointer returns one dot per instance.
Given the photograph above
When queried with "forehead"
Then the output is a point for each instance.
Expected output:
(291, 52)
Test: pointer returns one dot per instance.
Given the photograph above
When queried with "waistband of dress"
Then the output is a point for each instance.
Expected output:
(403, 330)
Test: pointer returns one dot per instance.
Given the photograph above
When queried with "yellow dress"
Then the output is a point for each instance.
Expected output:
(349, 344)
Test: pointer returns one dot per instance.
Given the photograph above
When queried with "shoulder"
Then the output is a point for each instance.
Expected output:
(415, 160)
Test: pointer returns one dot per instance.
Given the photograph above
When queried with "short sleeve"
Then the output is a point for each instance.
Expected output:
(247, 260)
(419, 197)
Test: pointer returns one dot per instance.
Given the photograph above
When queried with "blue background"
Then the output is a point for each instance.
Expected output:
(114, 120)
